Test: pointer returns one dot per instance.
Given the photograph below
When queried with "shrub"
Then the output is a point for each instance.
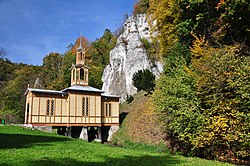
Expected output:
(129, 99)
(144, 80)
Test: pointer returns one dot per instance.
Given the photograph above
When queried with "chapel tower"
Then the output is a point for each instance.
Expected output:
(79, 71)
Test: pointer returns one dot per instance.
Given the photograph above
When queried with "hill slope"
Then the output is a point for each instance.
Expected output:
(141, 124)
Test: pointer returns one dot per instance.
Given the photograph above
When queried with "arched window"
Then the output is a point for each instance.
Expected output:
(77, 75)
(48, 107)
(106, 109)
(110, 109)
(81, 74)
(87, 106)
(83, 106)
(52, 107)
(80, 56)
(73, 74)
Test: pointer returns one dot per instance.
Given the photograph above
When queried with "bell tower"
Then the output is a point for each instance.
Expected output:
(79, 71)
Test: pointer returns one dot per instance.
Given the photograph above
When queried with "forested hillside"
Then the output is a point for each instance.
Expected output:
(53, 74)
(203, 96)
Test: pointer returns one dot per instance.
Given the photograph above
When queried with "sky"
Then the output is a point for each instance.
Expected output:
(31, 29)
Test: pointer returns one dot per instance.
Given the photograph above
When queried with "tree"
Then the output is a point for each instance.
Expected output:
(233, 22)
(2, 52)
(144, 80)
(99, 57)
(51, 67)
(141, 7)
(12, 97)
(101, 48)
(176, 101)
(64, 77)
(210, 93)
(167, 15)
(223, 86)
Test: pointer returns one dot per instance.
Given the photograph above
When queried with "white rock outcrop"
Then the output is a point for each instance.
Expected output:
(128, 57)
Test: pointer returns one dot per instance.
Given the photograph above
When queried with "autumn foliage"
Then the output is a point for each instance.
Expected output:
(203, 95)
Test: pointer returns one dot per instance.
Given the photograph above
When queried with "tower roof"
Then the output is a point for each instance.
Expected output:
(82, 88)
(80, 46)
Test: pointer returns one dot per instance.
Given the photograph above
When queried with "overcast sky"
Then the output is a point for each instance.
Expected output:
(31, 29)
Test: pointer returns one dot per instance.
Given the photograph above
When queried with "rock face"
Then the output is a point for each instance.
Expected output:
(128, 57)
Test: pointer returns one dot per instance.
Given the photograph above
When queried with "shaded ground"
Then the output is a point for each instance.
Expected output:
(126, 160)
(9, 141)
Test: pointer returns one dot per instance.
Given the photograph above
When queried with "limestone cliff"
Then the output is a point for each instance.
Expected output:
(128, 57)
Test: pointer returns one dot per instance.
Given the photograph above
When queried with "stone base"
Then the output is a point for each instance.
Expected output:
(84, 134)
(112, 130)
(47, 129)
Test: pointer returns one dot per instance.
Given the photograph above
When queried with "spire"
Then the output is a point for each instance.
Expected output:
(80, 46)
(79, 72)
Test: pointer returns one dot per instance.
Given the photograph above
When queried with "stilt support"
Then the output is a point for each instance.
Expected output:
(112, 130)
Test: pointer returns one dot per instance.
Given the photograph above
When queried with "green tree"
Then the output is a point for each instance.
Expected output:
(99, 57)
(144, 80)
(141, 7)
(216, 78)
(176, 101)
(101, 48)
(51, 67)
(12, 97)
(64, 77)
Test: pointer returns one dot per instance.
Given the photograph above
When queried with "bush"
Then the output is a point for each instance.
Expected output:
(177, 103)
(144, 80)
(223, 88)
(129, 99)
(146, 43)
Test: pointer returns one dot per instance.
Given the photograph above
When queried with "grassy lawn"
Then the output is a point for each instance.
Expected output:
(19, 146)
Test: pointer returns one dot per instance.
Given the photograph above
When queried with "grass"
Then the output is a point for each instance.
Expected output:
(138, 98)
(20, 146)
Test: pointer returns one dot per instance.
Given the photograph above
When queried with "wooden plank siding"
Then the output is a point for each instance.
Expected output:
(68, 110)
(114, 118)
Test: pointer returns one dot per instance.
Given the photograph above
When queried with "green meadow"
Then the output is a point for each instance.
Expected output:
(21, 146)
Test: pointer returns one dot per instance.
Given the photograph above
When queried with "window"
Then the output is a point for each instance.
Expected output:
(85, 106)
(77, 74)
(81, 74)
(108, 109)
(73, 74)
(80, 56)
(50, 107)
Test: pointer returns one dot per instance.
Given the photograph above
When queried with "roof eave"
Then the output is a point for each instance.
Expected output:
(44, 91)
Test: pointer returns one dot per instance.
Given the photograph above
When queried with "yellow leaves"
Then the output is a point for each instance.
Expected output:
(167, 17)
(219, 4)
(199, 47)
